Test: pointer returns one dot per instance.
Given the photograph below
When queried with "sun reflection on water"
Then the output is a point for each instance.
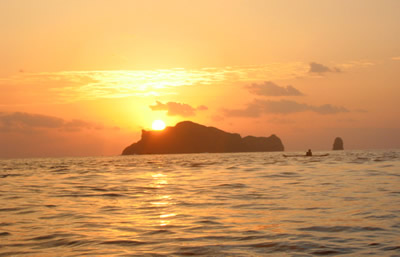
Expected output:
(159, 180)
(162, 201)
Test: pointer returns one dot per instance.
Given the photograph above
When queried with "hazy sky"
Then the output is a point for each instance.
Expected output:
(83, 77)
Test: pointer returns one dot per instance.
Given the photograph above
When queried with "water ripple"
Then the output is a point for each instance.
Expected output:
(240, 204)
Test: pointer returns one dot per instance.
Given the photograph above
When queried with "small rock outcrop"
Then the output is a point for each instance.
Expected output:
(338, 144)
(190, 137)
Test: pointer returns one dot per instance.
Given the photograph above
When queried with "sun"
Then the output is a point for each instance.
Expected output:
(158, 125)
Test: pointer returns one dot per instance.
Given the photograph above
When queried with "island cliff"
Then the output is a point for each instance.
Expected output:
(190, 137)
(338, 144)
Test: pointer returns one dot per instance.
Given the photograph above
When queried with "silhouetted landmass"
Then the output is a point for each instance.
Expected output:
(190, 137)
(338, 144)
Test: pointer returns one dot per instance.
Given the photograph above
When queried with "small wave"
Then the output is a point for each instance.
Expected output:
(271, 162)
(113, 195)
(195, 165)
(57, 216)
(145, 188)
(16, 253)
(265, 245)
(251, 238)
(62, 170)
(197, 250)
(9, 175)
(272, 247)
(26, 212)
(47, 237)
(335, 229)
(315, 208)
(257, 207)
(233, 185)
(4, 224)
(45, 243)
(382, 217)
(205, 228)
(159, 231)
(10, 209)
(92, 195)
(99, 189)
(4, 234)
(386, 166)
(123, 242)
(210, 222)
(52, 236)
(58, 167)
(283, 175)
(301, 246)
(252, 169)
(294, 221)
(391, 248)
(232, 168)
(326, 252)
(13, 197)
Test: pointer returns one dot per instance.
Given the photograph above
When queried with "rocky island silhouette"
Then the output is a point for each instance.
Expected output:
(190, 137)
(338, 144)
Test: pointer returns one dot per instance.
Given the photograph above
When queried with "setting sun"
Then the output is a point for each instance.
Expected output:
(158, 125)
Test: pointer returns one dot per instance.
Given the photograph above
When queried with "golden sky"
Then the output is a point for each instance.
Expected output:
(85, 77)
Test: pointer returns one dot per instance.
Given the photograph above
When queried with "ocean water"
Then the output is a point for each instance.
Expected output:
(241, 204)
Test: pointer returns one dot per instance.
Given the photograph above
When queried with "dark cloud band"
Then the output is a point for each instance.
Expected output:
(177, 109)
(269, 88)
(22, 121)
(320, 68)
(260, 107)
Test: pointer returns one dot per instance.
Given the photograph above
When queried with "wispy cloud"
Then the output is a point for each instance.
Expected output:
(269, 88)
(177, 109)
(72, 86)
(320, 68)
(352, 64)
(23, 122)
(260, 107)
(396, 58)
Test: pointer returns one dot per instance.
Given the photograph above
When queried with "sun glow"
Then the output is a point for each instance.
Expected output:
(158, 125)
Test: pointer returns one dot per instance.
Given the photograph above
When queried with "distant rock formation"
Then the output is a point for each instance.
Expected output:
(190, 137)
(338, 144)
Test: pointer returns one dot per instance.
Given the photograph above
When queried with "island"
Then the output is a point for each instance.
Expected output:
(338, 144)
(190, 137)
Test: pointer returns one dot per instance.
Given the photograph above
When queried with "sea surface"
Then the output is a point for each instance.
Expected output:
(241, 204)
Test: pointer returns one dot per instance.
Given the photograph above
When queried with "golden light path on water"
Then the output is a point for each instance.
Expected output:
(160, 180)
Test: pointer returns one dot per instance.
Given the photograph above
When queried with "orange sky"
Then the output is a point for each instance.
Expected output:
(84, 77)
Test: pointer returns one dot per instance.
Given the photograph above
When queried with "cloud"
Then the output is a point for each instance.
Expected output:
(320, 68)
(23, 122)
(396, 58)
(177, 109)
(269, 88)
(202, 108)
(260, 107)
(72, 86)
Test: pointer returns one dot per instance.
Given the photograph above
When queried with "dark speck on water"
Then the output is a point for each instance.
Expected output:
(241, 204)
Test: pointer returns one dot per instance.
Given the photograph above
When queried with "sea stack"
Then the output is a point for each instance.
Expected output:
(189, 137)
(338, 144)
